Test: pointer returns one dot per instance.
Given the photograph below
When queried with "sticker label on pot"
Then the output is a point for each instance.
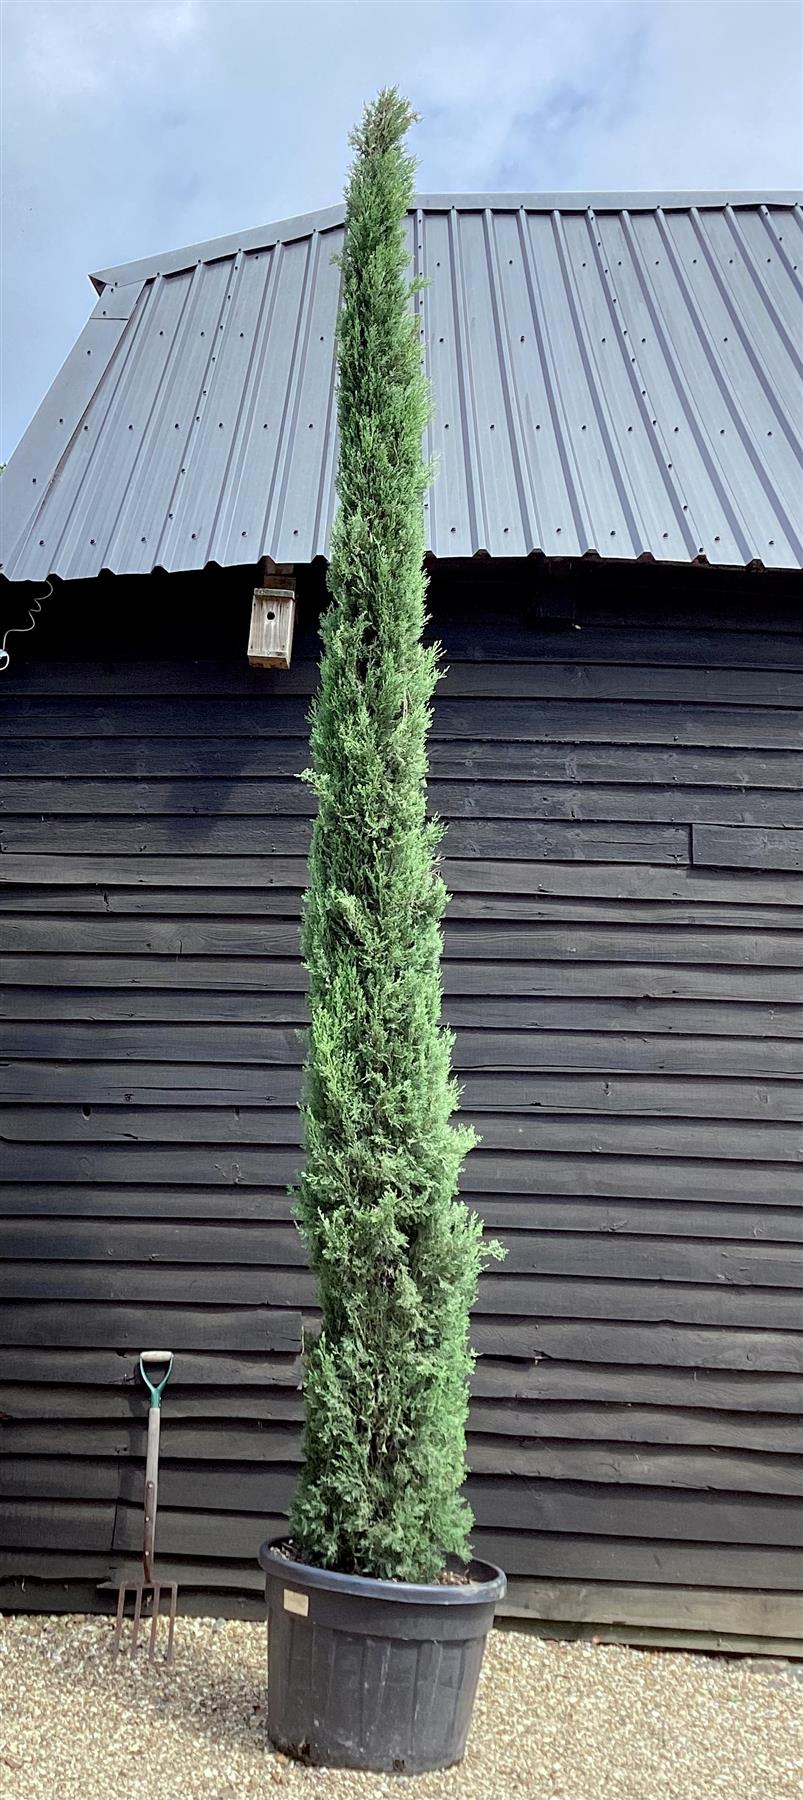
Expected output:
(296, 1603)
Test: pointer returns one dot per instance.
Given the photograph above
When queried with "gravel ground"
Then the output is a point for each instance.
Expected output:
(553, 1722)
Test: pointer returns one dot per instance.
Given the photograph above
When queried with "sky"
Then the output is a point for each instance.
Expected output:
(135, 126)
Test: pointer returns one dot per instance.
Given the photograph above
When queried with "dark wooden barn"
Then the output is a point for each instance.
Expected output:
(615, 539)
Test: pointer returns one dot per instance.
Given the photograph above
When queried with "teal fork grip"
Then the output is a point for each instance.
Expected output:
(155, 1387)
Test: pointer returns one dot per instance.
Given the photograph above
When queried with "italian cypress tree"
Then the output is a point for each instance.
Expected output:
(397, 1255)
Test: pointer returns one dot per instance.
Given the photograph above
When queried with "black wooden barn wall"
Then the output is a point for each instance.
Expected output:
(623, 972)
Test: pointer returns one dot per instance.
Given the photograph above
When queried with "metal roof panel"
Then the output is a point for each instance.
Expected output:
(620, 375)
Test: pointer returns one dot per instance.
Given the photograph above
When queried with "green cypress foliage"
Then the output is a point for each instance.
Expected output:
(396, 1254)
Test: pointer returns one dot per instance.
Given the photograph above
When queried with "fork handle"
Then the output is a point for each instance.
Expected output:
(151, 1491)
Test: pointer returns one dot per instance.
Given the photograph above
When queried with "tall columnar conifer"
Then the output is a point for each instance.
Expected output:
(397, 1255)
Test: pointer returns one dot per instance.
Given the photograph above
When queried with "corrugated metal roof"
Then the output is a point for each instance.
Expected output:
(612, 374)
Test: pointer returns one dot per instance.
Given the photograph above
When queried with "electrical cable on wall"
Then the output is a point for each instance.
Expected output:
(33, 613)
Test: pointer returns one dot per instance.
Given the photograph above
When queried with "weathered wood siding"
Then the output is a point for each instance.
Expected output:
(623, 972)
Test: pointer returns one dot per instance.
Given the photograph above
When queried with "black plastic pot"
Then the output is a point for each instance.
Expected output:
(367, 1674)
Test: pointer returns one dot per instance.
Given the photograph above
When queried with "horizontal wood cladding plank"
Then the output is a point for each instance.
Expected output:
(735, 1611)
(582, 1295)
(595, 1297)
(584, 1134)
(533, 1343)
(470, 798)
(102, 1325)
(241, 1205)
(222, 1330)
(523, 1551)
(238, 1008)
(486, 1172)
(158, 1084)
(59, 1525)
(654, 1404)
(278, 1247)
(56, 1062)
(533, 677)
(263, 872)
(765, 1485)
(510, 682)
(614, 1414)
(115, 1370)
(131, 1240)
(78, 1582)
(242, 1018)
(671, 1394)
(199, 1084)
(508, 638)
(34, 1045)
(580, 719)
(135, 676)
(658, 1367)
(612, 1510)
(149, 904)
(763, 1222)
(622, 1177)
(275, 1403)
(670, 1095)
(65, 795)
(266, 873)
(235, 1442)
(180, 758)
(511, 979)
(465, 940)
(726, 847)
(239, 760)
(558, 1554)
(620, 881)
(513, 637)
(201, 836)
(697, 1447)
(554, 909)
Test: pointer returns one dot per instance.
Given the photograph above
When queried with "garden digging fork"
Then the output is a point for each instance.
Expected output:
(155, 1360)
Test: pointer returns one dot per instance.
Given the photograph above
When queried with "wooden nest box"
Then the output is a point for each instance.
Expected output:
(273, 612)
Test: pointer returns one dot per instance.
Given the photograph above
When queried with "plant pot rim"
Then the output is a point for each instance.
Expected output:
(488, 1583)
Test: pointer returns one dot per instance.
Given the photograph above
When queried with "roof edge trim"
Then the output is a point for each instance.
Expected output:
(285, 231)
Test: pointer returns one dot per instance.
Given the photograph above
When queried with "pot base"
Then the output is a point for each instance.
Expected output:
(379, 1675)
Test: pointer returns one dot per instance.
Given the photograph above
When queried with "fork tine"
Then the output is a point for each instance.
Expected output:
(118, 1626)
(154, 1621)
(172, 1621)
(137, 1617)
